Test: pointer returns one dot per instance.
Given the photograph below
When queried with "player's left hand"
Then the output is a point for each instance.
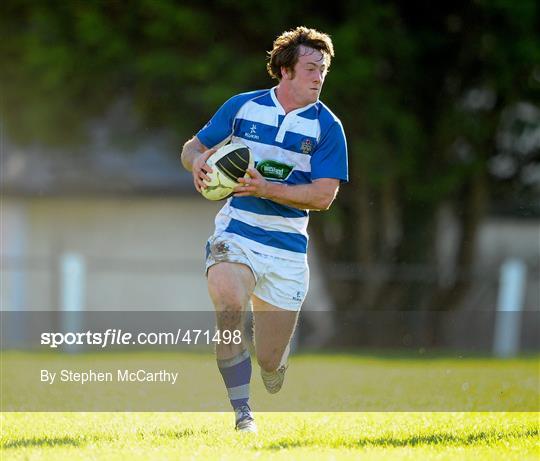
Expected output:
(253, 185)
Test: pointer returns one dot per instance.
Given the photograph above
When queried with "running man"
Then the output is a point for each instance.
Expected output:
(257, 254)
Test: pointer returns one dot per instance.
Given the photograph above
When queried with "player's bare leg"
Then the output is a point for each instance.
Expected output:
(230, 286)
(274, 328)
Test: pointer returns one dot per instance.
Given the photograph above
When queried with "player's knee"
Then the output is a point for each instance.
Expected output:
(229, 316)
(268, 362)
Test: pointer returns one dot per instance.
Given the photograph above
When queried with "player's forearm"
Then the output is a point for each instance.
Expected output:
(190, 152)
(305, 196)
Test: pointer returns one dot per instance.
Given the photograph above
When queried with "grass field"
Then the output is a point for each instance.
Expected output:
(326, 382)
(286, 436)
(365, 382)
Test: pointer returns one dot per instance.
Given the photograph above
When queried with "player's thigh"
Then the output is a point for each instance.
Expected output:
(273, 328)
(230, 285)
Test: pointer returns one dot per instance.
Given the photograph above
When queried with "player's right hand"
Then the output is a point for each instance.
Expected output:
(200, 168)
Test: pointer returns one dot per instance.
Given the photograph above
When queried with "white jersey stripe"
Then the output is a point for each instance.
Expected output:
(252, 111)
(271, 223)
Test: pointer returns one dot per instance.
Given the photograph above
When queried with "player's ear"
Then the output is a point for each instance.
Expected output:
(286, 73)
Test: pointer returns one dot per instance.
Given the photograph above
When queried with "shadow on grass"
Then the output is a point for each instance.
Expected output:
(43, 442)
(174, 434)
(78, 442)
(441, 438)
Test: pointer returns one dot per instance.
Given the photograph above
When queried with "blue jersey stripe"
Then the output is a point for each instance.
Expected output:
(311, 114)
(299, 177)
(262, 133)
(299, 143)
(283, 240)
(266, 207)
(265, 100)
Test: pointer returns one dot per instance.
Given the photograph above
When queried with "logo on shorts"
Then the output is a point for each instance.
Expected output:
(219, 250)
(299, 296)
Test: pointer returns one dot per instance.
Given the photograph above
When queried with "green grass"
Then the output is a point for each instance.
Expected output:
(344, 382)
(376, 386)
(287, 436)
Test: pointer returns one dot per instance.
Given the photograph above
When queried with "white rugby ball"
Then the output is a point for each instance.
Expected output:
(228, 163)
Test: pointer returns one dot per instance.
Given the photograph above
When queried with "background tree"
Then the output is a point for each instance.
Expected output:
(437, 100)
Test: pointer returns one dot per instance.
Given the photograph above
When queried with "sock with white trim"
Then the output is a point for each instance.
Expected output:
(236, 373)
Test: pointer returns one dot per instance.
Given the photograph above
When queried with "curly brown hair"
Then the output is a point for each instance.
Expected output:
(286, 49)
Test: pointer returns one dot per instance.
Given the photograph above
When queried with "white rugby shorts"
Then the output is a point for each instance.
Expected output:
(278, 281)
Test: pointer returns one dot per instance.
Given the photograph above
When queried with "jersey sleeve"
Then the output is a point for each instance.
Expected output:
(330, 158)
(221, 124)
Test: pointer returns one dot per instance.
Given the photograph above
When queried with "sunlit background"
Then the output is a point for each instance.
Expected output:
(437, 231)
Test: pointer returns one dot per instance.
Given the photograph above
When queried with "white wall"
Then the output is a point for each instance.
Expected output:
(500, 238)
(142, 253)
(14, 239)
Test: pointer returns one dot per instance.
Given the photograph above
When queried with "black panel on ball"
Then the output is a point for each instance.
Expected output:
(235, 163)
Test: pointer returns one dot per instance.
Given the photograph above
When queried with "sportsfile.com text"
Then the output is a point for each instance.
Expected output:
(118, 337)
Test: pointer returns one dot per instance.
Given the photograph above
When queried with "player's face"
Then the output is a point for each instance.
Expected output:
(309, 74)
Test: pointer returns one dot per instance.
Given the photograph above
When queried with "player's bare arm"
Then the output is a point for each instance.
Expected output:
(194, 156)
(317, 196)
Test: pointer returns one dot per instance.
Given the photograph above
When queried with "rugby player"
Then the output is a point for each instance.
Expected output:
(257, 255)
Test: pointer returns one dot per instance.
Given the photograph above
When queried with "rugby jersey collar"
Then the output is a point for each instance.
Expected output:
(280, 108)
(290, 119)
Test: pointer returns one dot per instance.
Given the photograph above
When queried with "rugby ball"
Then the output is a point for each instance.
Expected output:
(228, 163)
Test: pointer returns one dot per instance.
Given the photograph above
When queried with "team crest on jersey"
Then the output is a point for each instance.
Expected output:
(307, 146)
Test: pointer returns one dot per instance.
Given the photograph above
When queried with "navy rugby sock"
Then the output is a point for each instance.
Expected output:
(236, 373)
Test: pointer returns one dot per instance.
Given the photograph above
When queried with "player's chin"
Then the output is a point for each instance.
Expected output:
(313, 95)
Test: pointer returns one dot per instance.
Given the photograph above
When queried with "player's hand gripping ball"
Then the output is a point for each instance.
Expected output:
(228, 163)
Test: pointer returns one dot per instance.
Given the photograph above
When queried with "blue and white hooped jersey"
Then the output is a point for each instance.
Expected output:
(310, 140)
